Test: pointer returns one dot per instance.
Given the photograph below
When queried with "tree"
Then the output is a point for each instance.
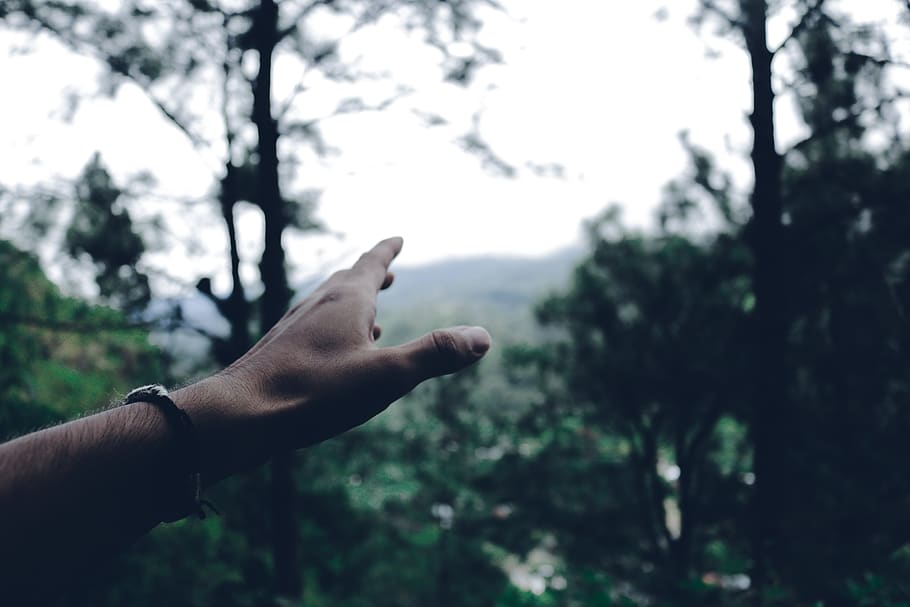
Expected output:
(61, 356)
(102, 230)
(420, 491)
(166, 49)
(841, 193)
(624, 453)
(637, 451)
(776, 438)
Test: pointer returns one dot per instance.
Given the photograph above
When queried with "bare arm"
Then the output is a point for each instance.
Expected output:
(86, 489)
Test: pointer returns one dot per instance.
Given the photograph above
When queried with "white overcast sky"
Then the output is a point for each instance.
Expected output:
(599, 87)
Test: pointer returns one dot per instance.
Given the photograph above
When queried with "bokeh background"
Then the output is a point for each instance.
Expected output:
(686, 225)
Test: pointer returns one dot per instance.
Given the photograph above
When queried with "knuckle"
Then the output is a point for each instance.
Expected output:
(445, 344)
(331, 295)
(371, 258)
(336, 289)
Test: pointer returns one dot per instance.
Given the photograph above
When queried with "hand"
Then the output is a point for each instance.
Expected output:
(318, 372)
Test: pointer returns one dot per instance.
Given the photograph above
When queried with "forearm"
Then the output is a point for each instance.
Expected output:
(82, 491)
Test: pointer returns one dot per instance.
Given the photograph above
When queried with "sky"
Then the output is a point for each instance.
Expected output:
(602, 89)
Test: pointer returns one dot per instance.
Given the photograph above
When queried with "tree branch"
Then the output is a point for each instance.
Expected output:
(640, 461)
(346, 106)
(879, 61)
(198, 142)
(82, 45)
(300, 86)
(69, 326)
(836, 125)
(801, 25)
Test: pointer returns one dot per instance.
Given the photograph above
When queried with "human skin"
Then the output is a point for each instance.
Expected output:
(75, 494)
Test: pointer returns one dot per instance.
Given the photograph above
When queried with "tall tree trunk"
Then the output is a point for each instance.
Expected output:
(770, 407)
(236, 308)
(276, 295)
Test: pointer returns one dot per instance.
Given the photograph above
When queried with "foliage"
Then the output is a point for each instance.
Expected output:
(608, 457)
(220, 56)
(61, 356)
(637, 435)
(207, 68)
(101, 230)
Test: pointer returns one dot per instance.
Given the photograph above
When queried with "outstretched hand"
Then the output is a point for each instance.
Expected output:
(315, 374)
(318, 371)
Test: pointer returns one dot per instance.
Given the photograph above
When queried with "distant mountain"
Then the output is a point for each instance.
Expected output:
(500, 280)
(496, 292)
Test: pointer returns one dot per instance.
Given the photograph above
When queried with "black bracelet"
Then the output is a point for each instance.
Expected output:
(180, 422)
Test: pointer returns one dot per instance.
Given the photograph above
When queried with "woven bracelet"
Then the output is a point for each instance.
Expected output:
(182, 425)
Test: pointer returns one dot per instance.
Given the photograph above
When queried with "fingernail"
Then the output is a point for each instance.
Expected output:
(478, 339)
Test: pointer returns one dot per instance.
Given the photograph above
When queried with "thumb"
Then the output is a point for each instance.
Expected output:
(441, 352)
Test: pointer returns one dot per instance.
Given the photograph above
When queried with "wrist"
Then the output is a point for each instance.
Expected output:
(231, 434)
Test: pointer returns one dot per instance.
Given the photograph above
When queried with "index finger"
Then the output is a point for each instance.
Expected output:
(374, 264)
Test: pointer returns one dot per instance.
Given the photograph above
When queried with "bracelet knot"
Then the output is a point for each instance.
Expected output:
(183, 428)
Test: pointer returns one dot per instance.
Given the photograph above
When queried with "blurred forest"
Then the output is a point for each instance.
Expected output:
(680, 416)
